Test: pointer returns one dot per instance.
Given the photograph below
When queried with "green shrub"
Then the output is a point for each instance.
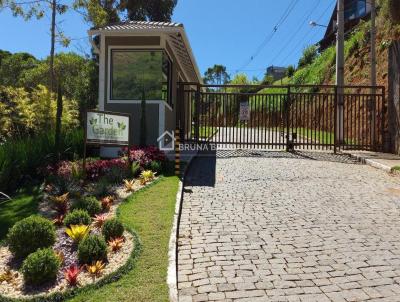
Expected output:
(89, 204)
(310, 53)
(155, 166)
(135, 168)
(91, 249)
(40, 267)
(112, 228)
(116, 175)
(30, 234)
(102, 187)
(77, 217)
(23, 157)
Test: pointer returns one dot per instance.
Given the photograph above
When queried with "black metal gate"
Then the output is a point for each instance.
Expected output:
(282, 117)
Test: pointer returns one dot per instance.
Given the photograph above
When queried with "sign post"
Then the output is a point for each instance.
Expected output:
(104, 128)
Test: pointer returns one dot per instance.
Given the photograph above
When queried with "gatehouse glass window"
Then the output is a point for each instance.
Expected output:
(136, 72)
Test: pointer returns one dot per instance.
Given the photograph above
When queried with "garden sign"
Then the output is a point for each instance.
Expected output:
(107, 128)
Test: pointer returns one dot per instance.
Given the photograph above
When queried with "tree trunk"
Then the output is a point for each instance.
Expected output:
(53, 39)
(51, 71)
(57, 139)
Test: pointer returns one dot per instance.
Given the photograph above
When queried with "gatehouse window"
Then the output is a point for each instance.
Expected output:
(134, 72)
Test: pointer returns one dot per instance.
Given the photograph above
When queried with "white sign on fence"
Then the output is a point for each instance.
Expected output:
(107, 128)
(244, 114)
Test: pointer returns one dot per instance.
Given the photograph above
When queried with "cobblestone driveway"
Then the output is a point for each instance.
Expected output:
(280, 227)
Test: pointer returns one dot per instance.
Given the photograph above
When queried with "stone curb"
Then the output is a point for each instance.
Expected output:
(172, 248)
(370, 162)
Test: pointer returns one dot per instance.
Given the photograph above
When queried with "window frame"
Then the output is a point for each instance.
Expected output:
(111, 100)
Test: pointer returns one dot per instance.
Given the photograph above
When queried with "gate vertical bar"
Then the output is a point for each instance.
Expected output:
(335, 120)
(287, 112)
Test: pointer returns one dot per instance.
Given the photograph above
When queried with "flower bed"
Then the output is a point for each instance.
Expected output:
(76, 241)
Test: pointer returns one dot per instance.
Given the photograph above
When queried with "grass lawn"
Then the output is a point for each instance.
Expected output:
(149, 212)
(22, 205)
(205, 131)
(324, 137)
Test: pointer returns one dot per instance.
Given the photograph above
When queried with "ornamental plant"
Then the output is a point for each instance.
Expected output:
(146, 176)
(77, 232)
(116, 243)
(96, 268)
(30, 234)
(60, 203)
(99, 220)
(40, 267)
(71, 275)
(98, 168)
(144, 155)
(129, 185)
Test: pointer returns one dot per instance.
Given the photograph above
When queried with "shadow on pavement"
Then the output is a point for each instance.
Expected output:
(203, 168)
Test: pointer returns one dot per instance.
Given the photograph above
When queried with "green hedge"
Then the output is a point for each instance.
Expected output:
(21, 158)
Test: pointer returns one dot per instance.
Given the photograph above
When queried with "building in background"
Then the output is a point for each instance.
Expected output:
(276, 72)
(354, 11)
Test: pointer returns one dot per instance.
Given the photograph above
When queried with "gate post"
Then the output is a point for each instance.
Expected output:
(197, 114)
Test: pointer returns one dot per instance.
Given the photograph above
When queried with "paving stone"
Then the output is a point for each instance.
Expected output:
(283, 227)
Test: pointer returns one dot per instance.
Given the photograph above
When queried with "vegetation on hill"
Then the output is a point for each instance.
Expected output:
(319, 68)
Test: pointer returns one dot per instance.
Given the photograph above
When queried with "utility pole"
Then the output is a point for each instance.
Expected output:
(340, 71)
(373, 68)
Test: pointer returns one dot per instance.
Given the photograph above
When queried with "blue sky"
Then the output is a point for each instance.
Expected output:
(237, 34)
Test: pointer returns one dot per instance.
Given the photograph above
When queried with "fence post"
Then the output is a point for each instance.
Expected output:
(384, 111)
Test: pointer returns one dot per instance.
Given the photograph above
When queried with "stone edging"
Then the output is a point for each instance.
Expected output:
(172, 275)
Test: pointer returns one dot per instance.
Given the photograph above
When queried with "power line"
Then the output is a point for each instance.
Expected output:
(309, 31)
(269, 37)
(305, 21)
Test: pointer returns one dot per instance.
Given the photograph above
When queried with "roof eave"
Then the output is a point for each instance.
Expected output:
(177, 29)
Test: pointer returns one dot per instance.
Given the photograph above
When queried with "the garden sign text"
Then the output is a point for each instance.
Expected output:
(107, 128)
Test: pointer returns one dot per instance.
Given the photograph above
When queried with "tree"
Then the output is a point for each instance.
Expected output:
(148, 10)
(267, 80)
(216, 75)
(290, 71)
(309, 55)
(78, 77)
(38, 8)
(98, 12)
(13, 67)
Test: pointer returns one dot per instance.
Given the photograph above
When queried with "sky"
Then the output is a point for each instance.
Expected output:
(236, 33)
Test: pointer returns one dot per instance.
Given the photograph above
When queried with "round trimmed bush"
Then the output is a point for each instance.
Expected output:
(88, 203)
(77, 217)
(30, 234)
(92, 248)
(112, 228)
(40, 267)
